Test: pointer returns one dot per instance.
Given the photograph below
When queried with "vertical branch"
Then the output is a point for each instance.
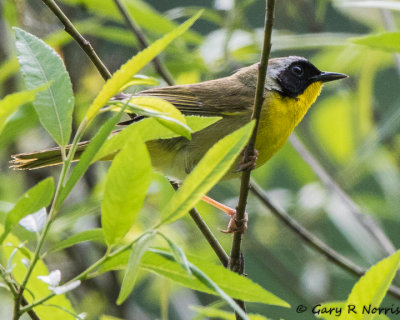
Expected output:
(236, 263)
(143, 42)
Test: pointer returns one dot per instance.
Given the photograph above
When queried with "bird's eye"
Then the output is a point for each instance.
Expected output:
(297, 70)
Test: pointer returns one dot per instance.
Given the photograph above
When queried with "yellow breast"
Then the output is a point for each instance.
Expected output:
(279, 116)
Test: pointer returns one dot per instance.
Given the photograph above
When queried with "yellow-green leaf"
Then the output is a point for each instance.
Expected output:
(36, 287)
(244, 289)
(132, 269)
(34, 199)
(126, 186)
(388, 41)
(10, 103)
(370, 290)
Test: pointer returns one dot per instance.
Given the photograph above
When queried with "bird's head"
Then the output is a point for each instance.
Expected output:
(292, 75)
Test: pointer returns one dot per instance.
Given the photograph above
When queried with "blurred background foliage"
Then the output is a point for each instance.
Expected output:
(352, 130)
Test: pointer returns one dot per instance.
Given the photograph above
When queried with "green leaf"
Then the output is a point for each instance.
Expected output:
(95, 235)
(244, 288)
(130, 68)
(40, 65)
(370, 290)
(178, 253)
(33, 200)
(10, 103)
(388, 41)
(126, 185)
(166, 113)
(212, 167)
(149, 129)
(131, 272)
(86, 158)
(213, 286)
(211, 312)
(199, 123)
(35, 287)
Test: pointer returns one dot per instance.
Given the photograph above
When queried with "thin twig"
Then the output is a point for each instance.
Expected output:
(236, 261)
(210, 237)
(311, 240)
(369, 225)
(143, 42)
(83, 43)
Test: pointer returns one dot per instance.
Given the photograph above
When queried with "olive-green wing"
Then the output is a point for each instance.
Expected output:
(220, 97)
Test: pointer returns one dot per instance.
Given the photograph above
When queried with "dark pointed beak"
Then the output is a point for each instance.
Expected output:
(329, 76)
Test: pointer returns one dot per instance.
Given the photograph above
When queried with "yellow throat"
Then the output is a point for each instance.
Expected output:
(279, 116)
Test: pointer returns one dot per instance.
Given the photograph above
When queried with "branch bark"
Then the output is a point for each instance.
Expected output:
(83, 43)
(236, 262)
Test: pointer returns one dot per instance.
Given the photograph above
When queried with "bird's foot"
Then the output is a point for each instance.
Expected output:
(248, 163)
(237, 225)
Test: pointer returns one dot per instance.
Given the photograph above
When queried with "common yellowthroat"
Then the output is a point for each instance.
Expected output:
(292, 86)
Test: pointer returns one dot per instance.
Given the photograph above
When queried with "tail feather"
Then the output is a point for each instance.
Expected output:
(43, 158)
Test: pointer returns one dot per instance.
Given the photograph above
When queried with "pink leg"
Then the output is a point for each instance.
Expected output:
(234, 225)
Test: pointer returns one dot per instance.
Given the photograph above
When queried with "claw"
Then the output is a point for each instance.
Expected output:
(236, 225)
(251, 162)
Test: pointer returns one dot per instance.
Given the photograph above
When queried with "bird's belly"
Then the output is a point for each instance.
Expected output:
(177, 157)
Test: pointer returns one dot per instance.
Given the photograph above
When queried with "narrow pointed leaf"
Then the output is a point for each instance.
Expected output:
(212, 167)
(388, 41)
(130, 68)
(213, 286)
(372, 287)
(95, 235)
(126, 186)
(178, 253)
(33, 200)
(132, 269)
(40, 64)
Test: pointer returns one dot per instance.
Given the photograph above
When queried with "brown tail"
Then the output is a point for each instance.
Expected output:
(43, 158)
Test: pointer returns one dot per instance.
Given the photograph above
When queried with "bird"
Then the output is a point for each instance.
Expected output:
(292, 85)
